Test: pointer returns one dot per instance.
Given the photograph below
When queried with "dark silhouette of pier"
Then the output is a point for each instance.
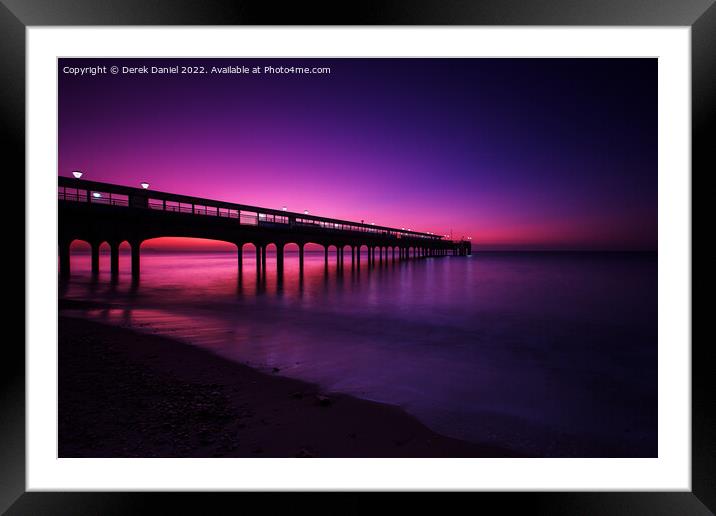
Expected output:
(98, 212)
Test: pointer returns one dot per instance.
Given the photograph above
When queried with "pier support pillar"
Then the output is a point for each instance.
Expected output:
(279, 258)
(263, 258)
(339, 261)
(325, 258)
(240, 257)
(64, 254)
(258, 259)
(135, 245)
(380, 254)
(114, 259)
(95, 258)
(300, 257)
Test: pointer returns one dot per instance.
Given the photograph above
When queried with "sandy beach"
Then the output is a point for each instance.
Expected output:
(126, 394)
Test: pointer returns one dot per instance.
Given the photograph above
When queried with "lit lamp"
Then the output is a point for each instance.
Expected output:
(305, 212)
(96, 195)
(283, 208)
(144, 184)
(77, 173)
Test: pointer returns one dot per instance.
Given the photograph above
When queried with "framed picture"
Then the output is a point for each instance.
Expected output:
(437, 248)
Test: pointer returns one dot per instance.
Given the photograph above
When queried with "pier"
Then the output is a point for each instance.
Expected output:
(98, 212)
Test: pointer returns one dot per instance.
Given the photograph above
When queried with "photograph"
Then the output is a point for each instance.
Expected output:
(357, 257)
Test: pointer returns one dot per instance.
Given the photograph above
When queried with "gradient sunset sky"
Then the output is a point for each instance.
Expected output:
(516, 153)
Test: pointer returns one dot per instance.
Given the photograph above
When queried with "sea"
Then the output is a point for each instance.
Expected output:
(548, 354)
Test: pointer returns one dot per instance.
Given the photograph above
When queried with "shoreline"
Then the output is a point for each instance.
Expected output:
(128, 394)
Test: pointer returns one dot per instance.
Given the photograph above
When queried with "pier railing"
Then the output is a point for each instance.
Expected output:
(94, 192)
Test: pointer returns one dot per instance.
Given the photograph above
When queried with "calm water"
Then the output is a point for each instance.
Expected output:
(546, 354)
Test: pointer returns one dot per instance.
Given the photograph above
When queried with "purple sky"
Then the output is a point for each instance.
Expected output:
(516, 153)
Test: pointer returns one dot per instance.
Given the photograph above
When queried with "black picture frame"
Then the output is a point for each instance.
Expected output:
(17, 15)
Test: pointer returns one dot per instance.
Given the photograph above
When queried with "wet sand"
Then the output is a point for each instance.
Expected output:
(126, 394)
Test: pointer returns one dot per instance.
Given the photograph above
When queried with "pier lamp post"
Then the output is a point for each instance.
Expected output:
(283, 208)
(137, 200)
(305, 212)
(77, 174)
